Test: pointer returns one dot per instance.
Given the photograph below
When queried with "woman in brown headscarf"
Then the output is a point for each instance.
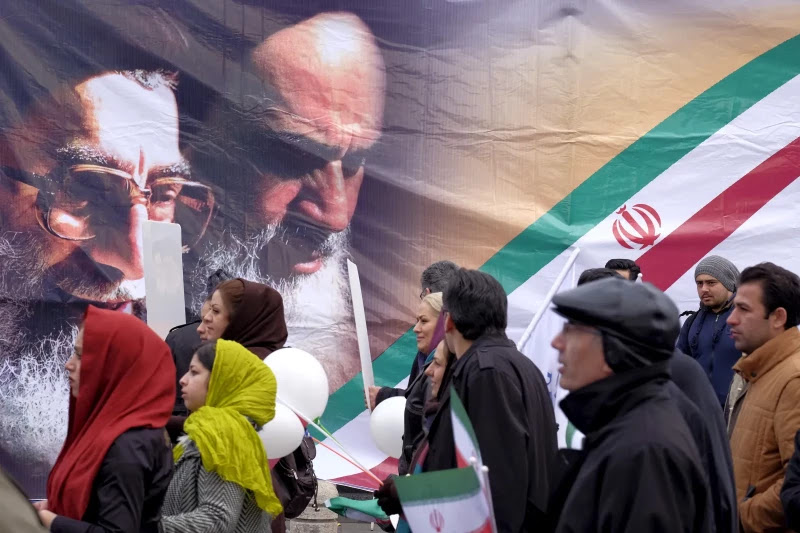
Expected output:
(248, 313)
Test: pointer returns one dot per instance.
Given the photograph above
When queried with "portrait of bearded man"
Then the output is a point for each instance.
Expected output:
(297, 153)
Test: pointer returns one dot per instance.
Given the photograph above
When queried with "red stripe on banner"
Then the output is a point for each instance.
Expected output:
(666, 262)
(363, 481)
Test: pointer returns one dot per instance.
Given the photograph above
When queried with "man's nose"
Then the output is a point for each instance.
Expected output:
(121, 246)
(324, 198)
(556, 342)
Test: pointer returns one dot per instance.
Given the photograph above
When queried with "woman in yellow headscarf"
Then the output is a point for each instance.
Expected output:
(222, 481)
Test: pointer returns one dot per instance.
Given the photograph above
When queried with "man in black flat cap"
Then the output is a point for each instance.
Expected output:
(639, 469)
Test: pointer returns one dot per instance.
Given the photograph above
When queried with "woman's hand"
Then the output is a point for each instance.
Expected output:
(41, 505)
(373, 397)
(47, 517)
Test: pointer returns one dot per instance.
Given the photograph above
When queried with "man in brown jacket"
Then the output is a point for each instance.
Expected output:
(764, 402)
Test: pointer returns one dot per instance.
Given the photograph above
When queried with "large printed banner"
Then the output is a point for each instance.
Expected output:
(285, 137)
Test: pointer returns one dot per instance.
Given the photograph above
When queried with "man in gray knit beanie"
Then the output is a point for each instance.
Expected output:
(705, 335)
(721, 270)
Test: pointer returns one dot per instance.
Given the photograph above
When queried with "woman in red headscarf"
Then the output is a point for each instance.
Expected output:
(116, 463)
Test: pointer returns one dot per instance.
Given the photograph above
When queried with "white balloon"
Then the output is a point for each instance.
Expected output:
(386, 426)
(283, 434)
(302, 381)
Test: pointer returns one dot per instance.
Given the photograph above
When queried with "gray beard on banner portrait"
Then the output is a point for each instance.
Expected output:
(317, 306)
(34, 390)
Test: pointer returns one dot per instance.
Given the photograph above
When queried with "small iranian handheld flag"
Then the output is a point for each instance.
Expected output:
(463, 434)
(447, 501)
(468, 454)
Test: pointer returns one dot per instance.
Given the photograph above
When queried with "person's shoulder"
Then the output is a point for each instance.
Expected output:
(652, 428)
(183, 329)
(138, 445)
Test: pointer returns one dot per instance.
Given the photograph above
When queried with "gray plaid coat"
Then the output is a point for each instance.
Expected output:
(199, 501)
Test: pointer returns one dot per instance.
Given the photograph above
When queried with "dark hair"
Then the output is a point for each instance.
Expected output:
(232, 292)
(625, 264)
(206, 354)
(780, 288)
(436, 276)
(477, 303)
(215, 280)
(594, 274)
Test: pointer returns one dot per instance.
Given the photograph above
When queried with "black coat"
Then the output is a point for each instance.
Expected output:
(129, 487)
(508, 404)
(790, 493)
(183, 341)
(697, 401)
(416, 394)
(639, 469)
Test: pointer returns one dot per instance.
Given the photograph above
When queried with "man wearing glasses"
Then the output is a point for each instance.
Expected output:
(298, 151)
(79, 175)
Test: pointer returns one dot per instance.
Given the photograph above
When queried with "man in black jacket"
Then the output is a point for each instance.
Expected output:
(506, 399)
(696, 401)
(790, 492)
(640, 469)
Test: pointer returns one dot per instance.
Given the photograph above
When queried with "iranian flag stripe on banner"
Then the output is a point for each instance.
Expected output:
(447, 501)
(710, 179)
(463, 433)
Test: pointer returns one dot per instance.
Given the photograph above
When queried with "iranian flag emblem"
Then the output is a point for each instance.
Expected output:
(448, 501)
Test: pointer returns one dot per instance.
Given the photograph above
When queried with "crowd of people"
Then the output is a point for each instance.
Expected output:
(687, 428)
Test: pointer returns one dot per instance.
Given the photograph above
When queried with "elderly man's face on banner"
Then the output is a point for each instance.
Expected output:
(80, 175)
(306, 150)
(84, 198)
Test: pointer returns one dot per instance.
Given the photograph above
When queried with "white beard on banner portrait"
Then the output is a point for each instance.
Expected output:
(34, 387)
(317, 306)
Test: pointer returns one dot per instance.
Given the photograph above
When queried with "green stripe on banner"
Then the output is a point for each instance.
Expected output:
(595, 199)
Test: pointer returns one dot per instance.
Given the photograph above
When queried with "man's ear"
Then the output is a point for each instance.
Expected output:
(449, 325)
(778, 318)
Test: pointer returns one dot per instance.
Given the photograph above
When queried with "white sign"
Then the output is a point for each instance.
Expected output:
(163, 276)
(361, 328)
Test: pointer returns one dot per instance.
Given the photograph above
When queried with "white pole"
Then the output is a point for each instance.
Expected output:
(547, 299)
(483, 476)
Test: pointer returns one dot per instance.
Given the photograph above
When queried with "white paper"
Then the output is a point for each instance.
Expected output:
(361, 328)
(163, 276)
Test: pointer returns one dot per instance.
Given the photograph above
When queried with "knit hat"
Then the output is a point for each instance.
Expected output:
(720, 269)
